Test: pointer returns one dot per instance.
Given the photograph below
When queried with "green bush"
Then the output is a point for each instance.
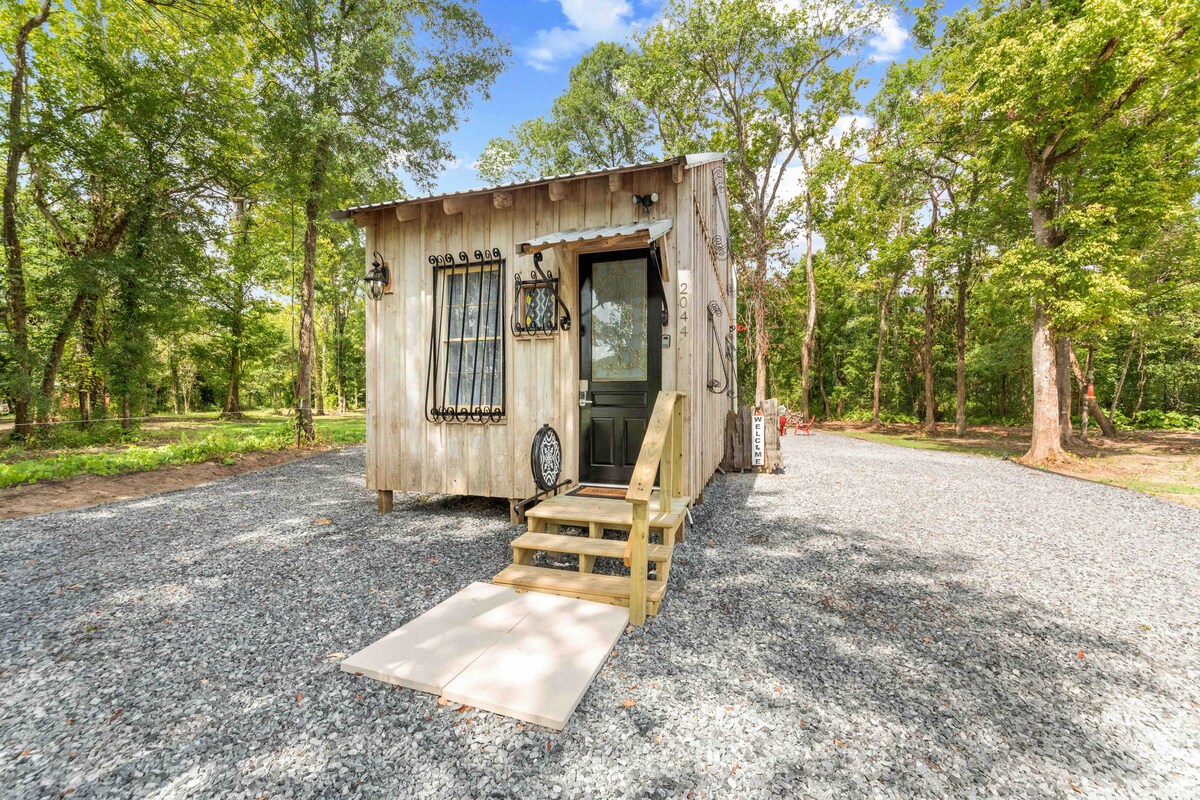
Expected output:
(885, 416)
(1156, 419)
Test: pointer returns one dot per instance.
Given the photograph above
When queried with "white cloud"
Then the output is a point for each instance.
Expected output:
(889, 39)
(590, 21)
(848, 121)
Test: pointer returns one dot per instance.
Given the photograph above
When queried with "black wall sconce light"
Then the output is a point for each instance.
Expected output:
(646, 200)
(379, 278)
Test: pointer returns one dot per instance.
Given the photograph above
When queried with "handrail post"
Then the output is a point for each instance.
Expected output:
(638, 535)
(676, 454)
(666, 467)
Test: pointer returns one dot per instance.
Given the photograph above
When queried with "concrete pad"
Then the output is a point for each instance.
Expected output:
(485, 605)
(524, 654)
(425, 654)
(539, 671)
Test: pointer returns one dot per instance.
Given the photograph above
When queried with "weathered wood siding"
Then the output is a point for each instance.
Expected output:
(405, 452)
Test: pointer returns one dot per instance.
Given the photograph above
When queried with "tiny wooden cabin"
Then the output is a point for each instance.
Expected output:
(572, 302)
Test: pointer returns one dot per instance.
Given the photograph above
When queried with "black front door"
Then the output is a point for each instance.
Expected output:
(620, 360)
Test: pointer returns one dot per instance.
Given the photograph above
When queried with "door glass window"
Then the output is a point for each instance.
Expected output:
(619, 346)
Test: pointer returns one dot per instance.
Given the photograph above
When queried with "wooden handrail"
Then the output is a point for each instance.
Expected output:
(662, 447)
(658, 431)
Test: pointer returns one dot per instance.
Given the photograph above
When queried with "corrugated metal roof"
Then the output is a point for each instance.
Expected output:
(691, 160)
(652, 228)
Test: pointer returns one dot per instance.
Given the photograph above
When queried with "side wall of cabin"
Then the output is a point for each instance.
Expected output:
(407, 453)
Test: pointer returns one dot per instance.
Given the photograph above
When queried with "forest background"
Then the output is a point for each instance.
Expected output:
(1006, 233)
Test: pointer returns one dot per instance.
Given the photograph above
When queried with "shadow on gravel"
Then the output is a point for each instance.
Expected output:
(193, 646)
(840, 630)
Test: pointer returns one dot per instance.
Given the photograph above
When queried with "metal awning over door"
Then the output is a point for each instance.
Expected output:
(633, 234)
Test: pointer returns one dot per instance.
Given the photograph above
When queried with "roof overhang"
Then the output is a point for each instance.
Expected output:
(454, 198)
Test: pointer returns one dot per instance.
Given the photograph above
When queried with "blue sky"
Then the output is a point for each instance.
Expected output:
(548, 36)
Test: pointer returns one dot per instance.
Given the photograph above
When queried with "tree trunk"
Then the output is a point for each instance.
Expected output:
(88, 386)
(1141, 381)
(1003, 409)
(876, 422)
(1046, 442)
(927, 356)
(339, 325)
(960, 344)
(312, 208)
(173, 363)
(85, 407)
(133, 347)
(319, 390)
(1112, 409)
(758, 308)
(233, 395)
(14, 271)
(810, 318)
(1062, 365)
(1089, 405)
(54, 357)
(821, 380)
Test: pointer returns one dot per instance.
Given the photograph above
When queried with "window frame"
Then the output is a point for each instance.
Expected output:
(444, 380)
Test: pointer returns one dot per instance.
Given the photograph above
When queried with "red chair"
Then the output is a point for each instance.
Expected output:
(805, 426)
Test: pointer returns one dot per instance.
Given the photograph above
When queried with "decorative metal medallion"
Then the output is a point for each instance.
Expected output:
(546, 458)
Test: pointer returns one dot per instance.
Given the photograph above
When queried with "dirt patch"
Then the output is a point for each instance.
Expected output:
(88, 490)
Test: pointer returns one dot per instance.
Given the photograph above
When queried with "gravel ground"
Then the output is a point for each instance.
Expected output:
(878, 622)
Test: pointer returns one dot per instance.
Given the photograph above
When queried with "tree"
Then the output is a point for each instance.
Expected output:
(358, 89)
(595, 123)
(758, 81)
(1056, 90)
(17, 143)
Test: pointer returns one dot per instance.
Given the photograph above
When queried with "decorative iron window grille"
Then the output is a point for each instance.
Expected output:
(465, 377)
(534, 304)
(537, 304)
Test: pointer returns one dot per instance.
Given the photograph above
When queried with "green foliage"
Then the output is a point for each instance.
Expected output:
(180, 161)
(141, 459)
(1157, 419)
(888, 417)
(57, 455)
(594, 123)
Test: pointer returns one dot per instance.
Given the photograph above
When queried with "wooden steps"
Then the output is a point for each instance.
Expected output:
(567, 509)
(586, 546)
(611, 589)
(640, 511)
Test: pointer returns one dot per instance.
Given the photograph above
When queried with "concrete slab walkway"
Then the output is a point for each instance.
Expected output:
(522, 654)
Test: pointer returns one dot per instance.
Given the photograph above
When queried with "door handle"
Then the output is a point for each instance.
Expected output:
(583, 400)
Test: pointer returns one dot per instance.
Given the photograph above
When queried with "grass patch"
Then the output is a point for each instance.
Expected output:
(1149, 487)
(103, 451)
(921, 443)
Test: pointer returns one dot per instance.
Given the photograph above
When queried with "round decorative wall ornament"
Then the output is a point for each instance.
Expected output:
(546, 458)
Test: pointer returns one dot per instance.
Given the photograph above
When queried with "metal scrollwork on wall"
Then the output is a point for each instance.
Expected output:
(723, 353)
(465, 377)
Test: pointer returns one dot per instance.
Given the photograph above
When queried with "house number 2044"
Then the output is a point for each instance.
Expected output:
(683, 308)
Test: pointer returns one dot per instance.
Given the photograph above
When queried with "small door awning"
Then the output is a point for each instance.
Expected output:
(634, 233)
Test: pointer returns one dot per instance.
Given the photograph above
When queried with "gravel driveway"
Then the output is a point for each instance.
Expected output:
(878, 622)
